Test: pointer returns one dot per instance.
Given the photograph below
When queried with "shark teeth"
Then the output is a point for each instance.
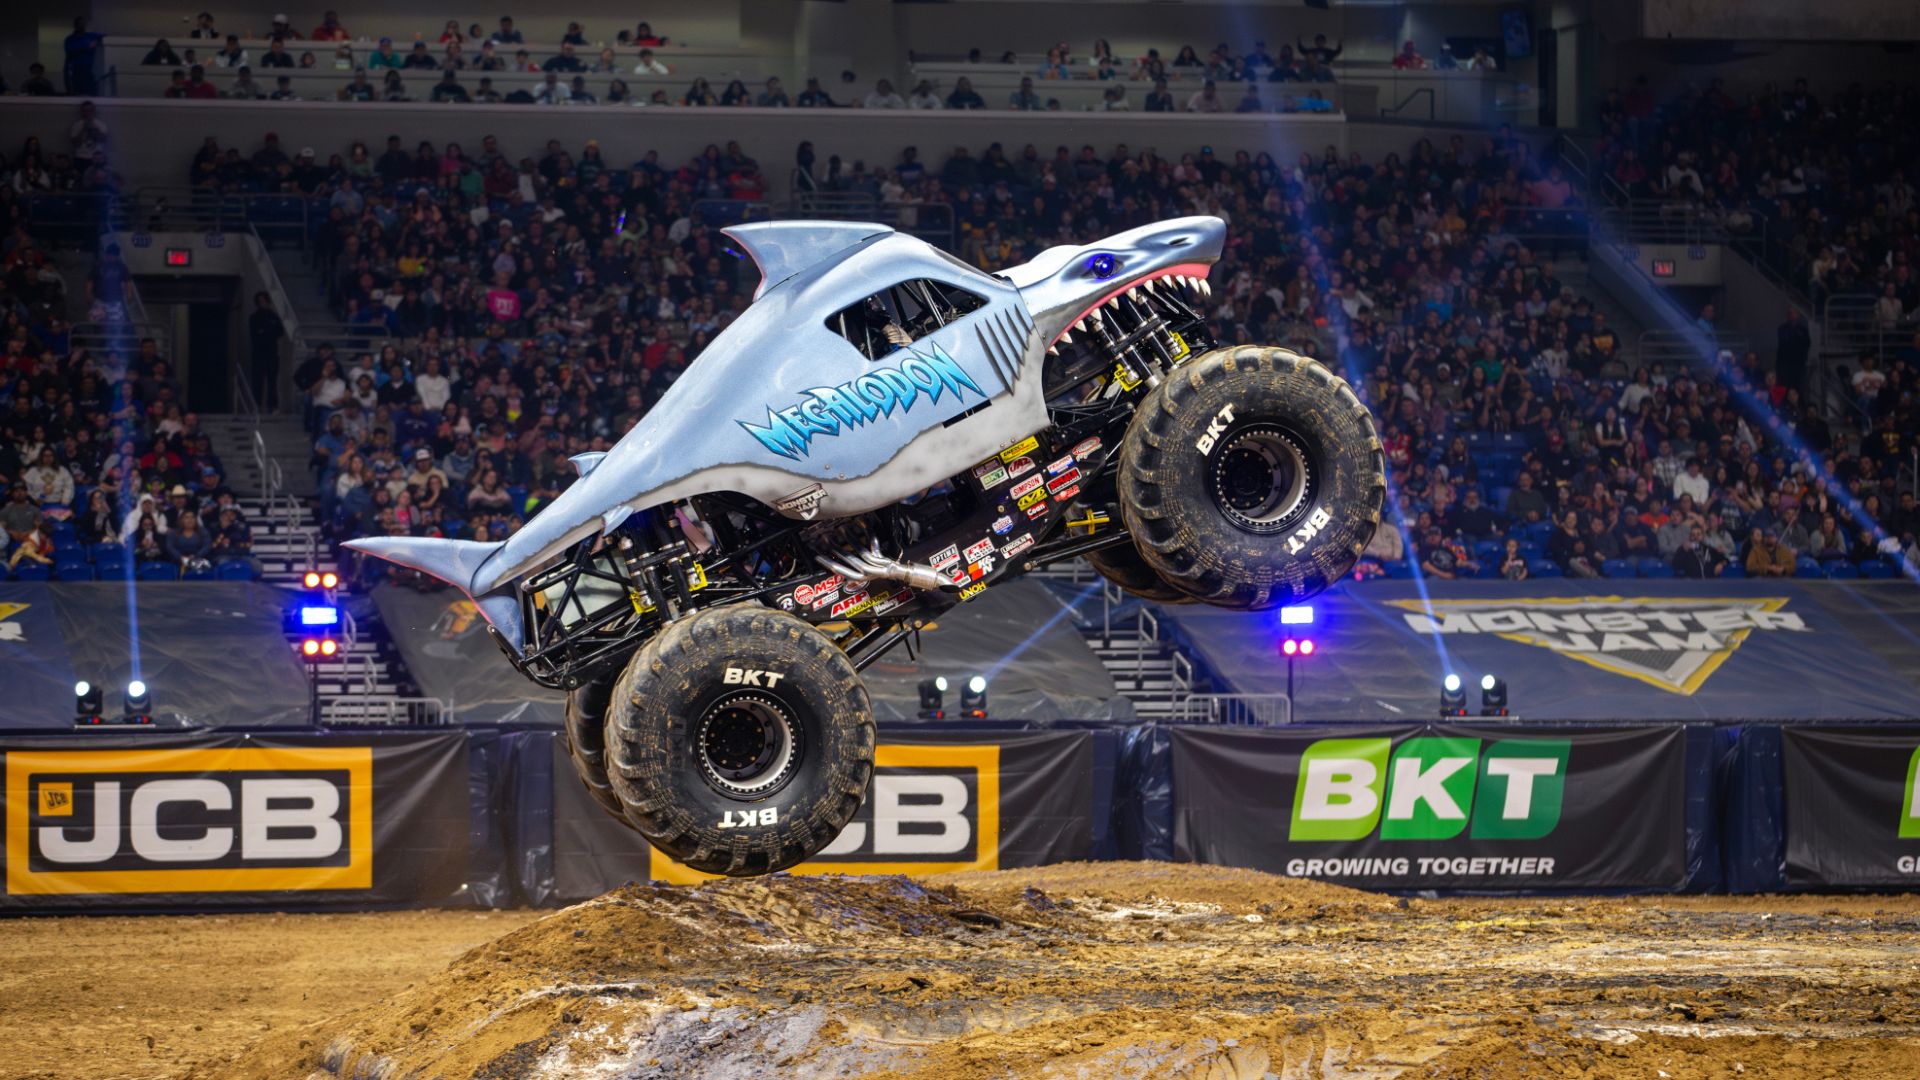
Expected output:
(1066, 338)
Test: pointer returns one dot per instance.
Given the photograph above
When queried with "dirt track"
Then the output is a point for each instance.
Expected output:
(1090, 971)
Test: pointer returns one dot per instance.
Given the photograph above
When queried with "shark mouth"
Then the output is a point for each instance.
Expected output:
(1180, 290)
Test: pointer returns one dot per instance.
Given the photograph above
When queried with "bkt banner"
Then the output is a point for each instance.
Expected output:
(1852, 806)
(1449, 806)
(213, 820)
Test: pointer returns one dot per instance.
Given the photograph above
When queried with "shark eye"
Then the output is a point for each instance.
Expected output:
(1103, 266)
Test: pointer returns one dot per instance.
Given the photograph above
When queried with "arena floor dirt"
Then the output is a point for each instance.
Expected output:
(1095, 971)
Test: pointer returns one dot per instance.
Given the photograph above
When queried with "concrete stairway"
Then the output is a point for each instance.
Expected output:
(1147, 669)
(285, 442)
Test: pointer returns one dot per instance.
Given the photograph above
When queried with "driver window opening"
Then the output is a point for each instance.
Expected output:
(901, 314)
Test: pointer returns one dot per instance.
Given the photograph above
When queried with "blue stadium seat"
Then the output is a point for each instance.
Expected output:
(1500, 494)
(73, 570)
(1878, 569)
(1398, 570)
(61, 532)
(1543, 568)
(1531, 550)
(1489, 551)
(1539, 532)
(198, 573)
(1735, 569)
(157, 571)
(107, 550)
(1617, 568)
(1654, 568)
(234, 570)
(31, 571)
(1806, 566)
(1839, 568)
(111, 567)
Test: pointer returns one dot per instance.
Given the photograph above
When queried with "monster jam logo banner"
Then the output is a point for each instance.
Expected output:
(1852, 806)
(1672, 643)
(940, 801)
(234, 820)
(9, 629)
(829, 410)
(1436, 806)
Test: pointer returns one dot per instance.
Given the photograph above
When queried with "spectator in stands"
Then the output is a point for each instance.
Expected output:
(1482, 60)
(393, 88)
(161, 55)
(195, 86)
(358, 89)
(1696, 559)
(813, 96)
(419, 59)
(231, 55)
(565, 61)
(1513, 563)
(1408, 58)
(644, 35)
(1319, 51)
(1025, 99)
(1206, 99)
(243, 88)
(1767, 557)
(277, 55)
(773, 96)
(330, 29)
(21, 516)
(883, 96)
(384, 57)
(231, 537)
(449, 89)
(506, 34)
(923, 96)
(187, 542)
(1250, 100)
(48, 482)
(283, 90)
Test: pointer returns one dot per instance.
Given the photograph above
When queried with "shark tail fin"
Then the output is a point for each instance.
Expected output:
(456, 562)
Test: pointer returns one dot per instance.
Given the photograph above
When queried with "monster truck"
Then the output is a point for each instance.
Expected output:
(884, 433)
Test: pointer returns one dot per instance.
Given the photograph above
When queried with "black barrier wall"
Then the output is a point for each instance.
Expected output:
(493, 817)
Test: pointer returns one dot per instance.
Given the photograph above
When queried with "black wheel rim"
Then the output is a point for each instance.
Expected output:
(749, 745)
(1261, 477)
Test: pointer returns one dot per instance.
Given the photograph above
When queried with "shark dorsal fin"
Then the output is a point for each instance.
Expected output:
(784, 248)
(585, 463)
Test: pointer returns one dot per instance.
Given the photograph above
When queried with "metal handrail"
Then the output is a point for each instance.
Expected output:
(1236, 708)
(390, 710)
(1432, 103)
(1849, 324)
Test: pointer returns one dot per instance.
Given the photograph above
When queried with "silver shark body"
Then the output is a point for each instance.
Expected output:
(782, 408)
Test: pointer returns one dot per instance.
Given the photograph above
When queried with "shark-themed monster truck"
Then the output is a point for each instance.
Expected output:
(884, 433)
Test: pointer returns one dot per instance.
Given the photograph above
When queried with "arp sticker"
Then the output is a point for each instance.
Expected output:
(1020, 449)
(852, 605)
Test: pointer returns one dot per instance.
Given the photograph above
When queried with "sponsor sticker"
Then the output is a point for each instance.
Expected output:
(973, 590)
(1032, 497)
(815, 593)
(1019, 467)
(1069, 493)
(1003, 525)
(891, 602)
(1071, 476)
(1016, 545)
(974, 551)
(853, 605)
(1087, 449)
(945, 557)
(1023, 487)
(1055, 468)
(994, 477)
(1020, 449)
(1037, 510)
(981, 470)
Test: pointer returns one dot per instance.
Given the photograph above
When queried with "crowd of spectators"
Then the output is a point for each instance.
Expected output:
(541, 302)
(105, 471)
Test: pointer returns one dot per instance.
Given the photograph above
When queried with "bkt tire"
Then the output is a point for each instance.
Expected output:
(1251, 478)
(587, 739)
(740, 741)
(1122, 565)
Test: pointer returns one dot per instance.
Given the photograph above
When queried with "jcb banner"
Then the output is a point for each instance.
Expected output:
(1437, 806)
(970, 800)
(1852, 806)
(233, 820)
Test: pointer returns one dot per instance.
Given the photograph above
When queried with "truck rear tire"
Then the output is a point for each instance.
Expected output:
(587, 739)
(1122, 565)
(740, 741)
(1251, 478)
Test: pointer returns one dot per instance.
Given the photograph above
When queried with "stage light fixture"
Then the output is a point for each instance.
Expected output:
(89, 702)
(319, 615)
(310, 647)
(1453, 698)
(312, 580)
(973, 698)
(1290, 647)
(138, 703)
(315, 579)
(1493, 696)
(933, 698)
(1306, 647)
(1297, 615)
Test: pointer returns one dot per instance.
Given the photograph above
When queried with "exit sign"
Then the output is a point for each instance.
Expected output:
(180, 258)
(1663, 268)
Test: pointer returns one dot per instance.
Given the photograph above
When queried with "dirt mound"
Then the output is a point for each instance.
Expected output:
(1138, 970)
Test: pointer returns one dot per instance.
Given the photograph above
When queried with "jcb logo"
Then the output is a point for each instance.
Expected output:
(161, 821)
(1214, 429)
(752, 677)
(932, 809)
(1423, 790)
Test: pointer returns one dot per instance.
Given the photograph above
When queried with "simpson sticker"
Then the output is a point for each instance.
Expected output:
(1023, 487)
